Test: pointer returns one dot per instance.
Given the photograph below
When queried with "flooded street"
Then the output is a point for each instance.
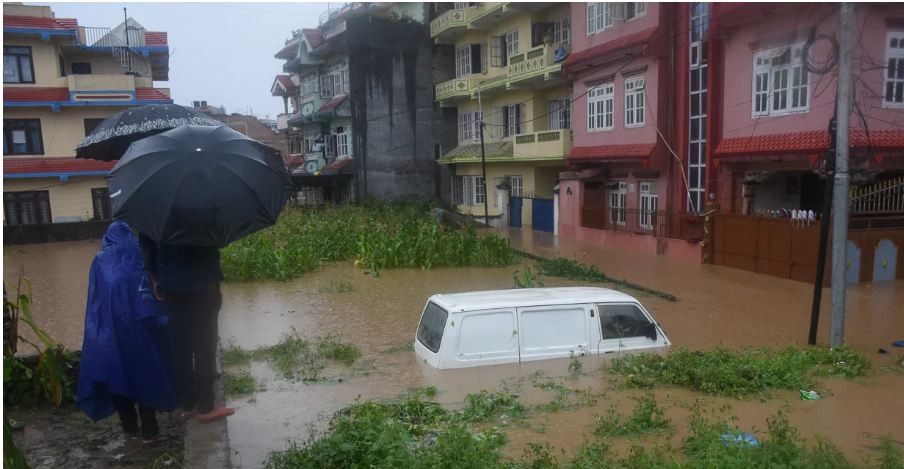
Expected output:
(716, 306)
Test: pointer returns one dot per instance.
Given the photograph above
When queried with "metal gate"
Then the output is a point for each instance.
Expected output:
(517, 205)
(885, 264)
(543, 215)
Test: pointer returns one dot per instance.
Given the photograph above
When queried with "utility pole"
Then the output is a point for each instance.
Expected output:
(840, 217)
(483, 162)
(823, 231)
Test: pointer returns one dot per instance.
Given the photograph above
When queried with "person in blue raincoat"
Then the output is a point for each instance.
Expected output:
(126, 349)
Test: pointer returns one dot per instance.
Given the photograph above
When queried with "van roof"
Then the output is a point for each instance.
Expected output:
(523, 297)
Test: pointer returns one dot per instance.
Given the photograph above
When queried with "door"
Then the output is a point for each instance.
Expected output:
(516, 204)
(486, 337)
(885, 263)
(553, 331)
(852, 264)
(543, 215)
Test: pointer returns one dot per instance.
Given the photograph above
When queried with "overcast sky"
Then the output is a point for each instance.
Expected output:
(219, 52)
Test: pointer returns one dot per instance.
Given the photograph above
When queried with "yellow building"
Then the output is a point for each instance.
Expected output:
(60, 80)
(507, 61)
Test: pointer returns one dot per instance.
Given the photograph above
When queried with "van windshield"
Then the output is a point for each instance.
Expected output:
(433, 323)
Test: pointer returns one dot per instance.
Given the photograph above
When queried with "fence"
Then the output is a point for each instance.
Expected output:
(632, 220)
(884, 197)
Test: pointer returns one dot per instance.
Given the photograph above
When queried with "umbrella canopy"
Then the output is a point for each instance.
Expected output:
(199, 185)
(112, 137)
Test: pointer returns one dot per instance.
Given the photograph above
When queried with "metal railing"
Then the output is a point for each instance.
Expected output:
(104, 37)
(631, 220)
(884, 197)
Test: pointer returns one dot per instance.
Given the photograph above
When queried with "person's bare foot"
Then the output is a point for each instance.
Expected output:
(188, 415)
(215, 414)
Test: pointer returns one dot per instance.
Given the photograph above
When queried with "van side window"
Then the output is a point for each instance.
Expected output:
(433, 323)
(623, 321)
(492, 333)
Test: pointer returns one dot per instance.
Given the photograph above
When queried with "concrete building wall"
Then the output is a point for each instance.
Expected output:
(45, 59)
(61, 131)
(69, 200)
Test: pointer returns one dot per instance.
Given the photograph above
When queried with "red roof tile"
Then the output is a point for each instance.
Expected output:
(816, 141)
(150, 94)
(289, 51)
(333, 104)
(638, 38)
(878, 138)
(604, 153)
(314, 36)
(33, 22)
(11, 94)
(295, 159)
(286, 82)
(336, 167)
(156, 38)
(32, 165)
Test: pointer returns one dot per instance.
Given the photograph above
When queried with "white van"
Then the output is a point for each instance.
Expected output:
(510, 326)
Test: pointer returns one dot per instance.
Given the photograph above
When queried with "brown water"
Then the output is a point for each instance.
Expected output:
(716, 306)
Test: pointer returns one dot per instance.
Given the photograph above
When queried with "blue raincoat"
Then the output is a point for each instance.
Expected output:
(126, 349)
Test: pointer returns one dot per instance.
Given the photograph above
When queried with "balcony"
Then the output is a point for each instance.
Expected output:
(111, 82)
(299, 63)
(456, 88)
(282, 121)
(445, 27)
(543, 145)
(534, 65)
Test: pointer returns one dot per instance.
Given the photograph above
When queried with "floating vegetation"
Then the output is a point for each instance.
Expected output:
(647, 417)
(295, 357)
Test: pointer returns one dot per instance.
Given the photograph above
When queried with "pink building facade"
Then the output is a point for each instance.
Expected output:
(618, 188)
(774, 82)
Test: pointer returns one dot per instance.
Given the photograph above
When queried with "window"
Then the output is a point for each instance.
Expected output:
(635, 10)
(780, 81)
(337, 143)
(469, 126)
(511, 120)
(22, 137)
(339, 76)
(561, 30)
(91, 124)
(472, 190)
(894, 78)
(27, 208)
(511, 43)
(624, 321)
(697, 88)
(559, 114)
(433, 324)
(599, 17)
(497, 52)
(600, 107)
(309, 85)
(17, 65)
(81, 68)
(326, 86)
(100, 199)
(649, 203)
(634, 102)
(618, 201)
(463, 61)
(312, 143)
(517, 183)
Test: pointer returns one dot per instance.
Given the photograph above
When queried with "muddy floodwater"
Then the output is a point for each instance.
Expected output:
(716, 306)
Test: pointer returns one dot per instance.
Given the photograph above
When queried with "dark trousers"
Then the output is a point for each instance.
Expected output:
(195, 333)
(128, 418)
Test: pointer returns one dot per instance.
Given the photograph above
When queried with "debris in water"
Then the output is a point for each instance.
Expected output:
(740, 439)
(809, 395)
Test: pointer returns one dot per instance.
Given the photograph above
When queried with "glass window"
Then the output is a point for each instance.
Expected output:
(634, 102)
(81, 68)
(511, 120)
(894, 76)
(635, 9)
(780, 81)
(649, 203)
(463, 61)
(100, 199)
(517, 185)
(562, 30)
(559, 114)
(618, 203)
(600, 107)
(27, 208)
(17, 65)
(511, 43)
(433, 324)
(22, 137)
(497, 51)
(623, 321)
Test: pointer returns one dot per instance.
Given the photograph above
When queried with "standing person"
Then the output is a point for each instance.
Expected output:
(188, 279)
(125, 352)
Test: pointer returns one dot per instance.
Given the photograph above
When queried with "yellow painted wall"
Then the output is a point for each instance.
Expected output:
(69, 199)
(45, 58)
(538, 180)
(63, 130)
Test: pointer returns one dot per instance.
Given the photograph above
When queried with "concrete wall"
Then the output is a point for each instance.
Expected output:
(68, 200)
(61, 131)
(538, 180)
(250, 126)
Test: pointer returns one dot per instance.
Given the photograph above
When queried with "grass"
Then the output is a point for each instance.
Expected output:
(295, 357)
(565, 397)
(485, 405)
(377, 235)
(740, 373)
(647, 417)
(574, 270)
(238, 384)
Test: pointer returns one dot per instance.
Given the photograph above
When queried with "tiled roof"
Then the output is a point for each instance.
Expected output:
(471, 152)
(633, 151)
(878, 138)
(150, 94)
(11, 94)
(598, 51)
(286, 82)
(288, 52)
(812, 142)
(155, 38)
(33, 22)
(295, 159)
(332, 104)
(337, 167)
(315, 37)
(46, 164)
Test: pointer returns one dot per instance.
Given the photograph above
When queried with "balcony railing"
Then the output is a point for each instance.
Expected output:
(531, 63)
(456, 87)
(631, 220)
(451, 19)
(544, 144)
(103, 37)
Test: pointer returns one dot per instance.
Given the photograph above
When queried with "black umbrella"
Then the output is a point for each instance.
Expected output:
(112, 137)
(198, 185)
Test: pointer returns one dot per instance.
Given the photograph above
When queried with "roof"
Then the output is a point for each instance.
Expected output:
(601, 50)
(155, 38)
(471, 152)
(314, 37)
(34, 22)
(332, 104)
(25, 94)
(289, 51)
(53, 166)
(804, 143)
(150, 94)
(611, 153)
(524, 297)
(337, 167)
(285, 81)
